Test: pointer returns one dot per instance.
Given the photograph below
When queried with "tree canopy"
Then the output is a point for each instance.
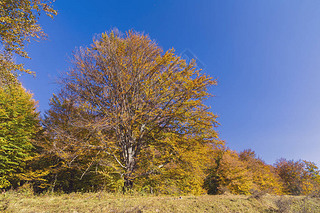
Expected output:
(19, 122)
(298, 177)
(129, 100)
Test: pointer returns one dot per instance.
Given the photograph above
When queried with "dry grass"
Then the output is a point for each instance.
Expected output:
(104, 202)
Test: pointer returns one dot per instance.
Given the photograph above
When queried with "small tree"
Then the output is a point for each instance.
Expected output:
(228, 174)
(264, 176)
(129, 102)
(298, 177)
(19, 123)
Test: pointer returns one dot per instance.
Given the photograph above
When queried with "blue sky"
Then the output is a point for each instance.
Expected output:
(265, 55)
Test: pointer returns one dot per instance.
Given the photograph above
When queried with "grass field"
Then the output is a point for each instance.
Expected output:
(104, 202)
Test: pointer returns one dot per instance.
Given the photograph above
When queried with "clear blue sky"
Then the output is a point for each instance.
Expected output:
(265, 55)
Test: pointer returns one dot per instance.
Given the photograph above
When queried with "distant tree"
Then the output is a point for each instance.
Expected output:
(139, 108)
(312, 170)
(19, 23)
(298, 177)
(228, 174)
(241, 173)
(19, 122)
(263, 176)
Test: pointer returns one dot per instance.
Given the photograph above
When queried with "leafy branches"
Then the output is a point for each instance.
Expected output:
(18, 24)
(124, 96)
(19, 123)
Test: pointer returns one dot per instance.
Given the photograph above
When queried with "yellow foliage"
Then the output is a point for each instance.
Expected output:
(140, 106)
(263, 176)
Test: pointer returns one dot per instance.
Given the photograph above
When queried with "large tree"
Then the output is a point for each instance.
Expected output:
(141, 109)
(18, 24)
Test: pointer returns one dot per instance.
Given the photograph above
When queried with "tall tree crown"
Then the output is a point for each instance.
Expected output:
(132, 98)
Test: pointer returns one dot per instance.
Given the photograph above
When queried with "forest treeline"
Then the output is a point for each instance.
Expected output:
(128, 116)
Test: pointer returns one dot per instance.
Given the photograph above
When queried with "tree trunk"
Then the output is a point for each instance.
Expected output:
(128, 183)
(130, 165)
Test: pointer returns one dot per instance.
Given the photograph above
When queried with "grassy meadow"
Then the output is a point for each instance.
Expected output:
(105, 202)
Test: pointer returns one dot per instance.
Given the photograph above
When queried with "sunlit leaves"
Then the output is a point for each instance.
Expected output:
(298, 177)
(18, 24)
(132, 101)
(18, 126)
